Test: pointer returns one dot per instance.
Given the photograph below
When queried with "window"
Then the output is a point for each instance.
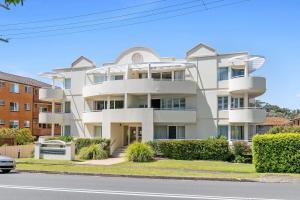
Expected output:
(2, 122)
(169, 132)
(43, 109)
(100, 105)
(179, 75)
(13, 124)
(14, 107)
(1, 102)
(27, 89)
(237, 132)
(2, 84)
(222, 73)
(143, 75)
(67, 83)
(237, 73)
(27, 106)
(223, 130)
(237, 102)
(173, 103)
(43, 126)
(99, 78)
(67, 107)
(27, 124)
(14, 88)
(155, 76)
(166, 75)
(67, 130)
(223, 103)
(117, 77)
(119, 104)
(98, 131)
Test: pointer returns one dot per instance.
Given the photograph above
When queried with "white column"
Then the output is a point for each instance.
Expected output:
(126, 72)
(149, 71)
(246, 70)
(173, 74)
(149, 100)
(53, 83)
(246, 132)
(108, 74)
(229, 72)
(246, 100)
(229, 102)
(52, 124)
(108, 102)
(229, 132)
(126, 100)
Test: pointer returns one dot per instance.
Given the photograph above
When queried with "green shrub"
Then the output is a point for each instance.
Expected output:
(139, 152)
(210, 149)
(93, 152)
(242, 152)
(277, 152)
(284, 129)
(86, 142)
(62, 138)
(24, 136)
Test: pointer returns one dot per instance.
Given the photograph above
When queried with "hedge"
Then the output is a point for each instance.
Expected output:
(62, 138)
(277, 152)
(284, 129)
(21, 136)
(210, 149)
(86, 142)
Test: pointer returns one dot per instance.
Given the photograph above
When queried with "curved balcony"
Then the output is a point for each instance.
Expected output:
(140, 86)
(50, 94)
(48, 118)
(247, 115)
(92, 117)
(254, 86)
(174, 116)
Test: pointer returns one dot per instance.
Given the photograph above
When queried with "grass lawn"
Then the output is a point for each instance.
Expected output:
(174, 168)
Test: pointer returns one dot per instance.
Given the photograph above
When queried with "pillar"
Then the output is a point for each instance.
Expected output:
(108, 74)
(173, 76)
(149, 100)
(126, 100)
(149, 71)
(108, 102)
(246, 132)
(53, 124)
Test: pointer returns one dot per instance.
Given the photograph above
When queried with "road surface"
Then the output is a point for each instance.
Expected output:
(26, 186)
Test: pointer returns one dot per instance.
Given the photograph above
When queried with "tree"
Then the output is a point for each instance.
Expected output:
(7, 3)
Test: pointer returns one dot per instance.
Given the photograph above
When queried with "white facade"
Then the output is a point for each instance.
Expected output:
(142, 96)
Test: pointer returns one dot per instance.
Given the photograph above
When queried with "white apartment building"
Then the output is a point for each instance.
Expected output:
(143, 96)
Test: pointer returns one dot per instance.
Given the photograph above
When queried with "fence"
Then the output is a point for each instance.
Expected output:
(20, 151)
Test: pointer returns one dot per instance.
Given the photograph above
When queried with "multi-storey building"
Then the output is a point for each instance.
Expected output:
(20, 105)
(143, 96)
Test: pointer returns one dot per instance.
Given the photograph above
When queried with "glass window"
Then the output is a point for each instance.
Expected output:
(99, 78)
(119, 104)
(176, 104)
(222, 73)
(167, 75)
(2, 83)
(98, 131)
(179, 75)
(117, 77)
(67, 83)
(160, 132)
(143, 75)
(237, 132)
(237, 72)
(27, 89)
(2, 122)
(27, 106)
(1, 102)
(67, 130)
(180, 132)
(223, 103)
(112, 104)
(223, 130)
(14, 106)
(13, 124)
(27, 124)
(155, 76)
(237, 102)
(172, 132)
(100, 105)
(14, 88)
(67, 107)
(182, 103)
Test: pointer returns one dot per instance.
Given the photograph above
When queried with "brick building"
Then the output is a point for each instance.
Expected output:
(20, 104)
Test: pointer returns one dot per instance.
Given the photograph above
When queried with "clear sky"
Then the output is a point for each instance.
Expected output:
(266, 27)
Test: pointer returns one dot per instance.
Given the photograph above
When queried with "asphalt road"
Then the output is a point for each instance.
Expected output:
(23, 186)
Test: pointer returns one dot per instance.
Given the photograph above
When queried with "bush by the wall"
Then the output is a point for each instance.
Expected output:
(93, 152)
(242, 152)
(86, 142)
(62, 138)
(139, 152)
(21, 136)
(277, 152)
(210, 149)
(284, 129)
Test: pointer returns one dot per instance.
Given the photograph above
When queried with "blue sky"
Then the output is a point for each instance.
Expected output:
(267, 27)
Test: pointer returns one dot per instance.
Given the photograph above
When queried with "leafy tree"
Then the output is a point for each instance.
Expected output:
(7, 3)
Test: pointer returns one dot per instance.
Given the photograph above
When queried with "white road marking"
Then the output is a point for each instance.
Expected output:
(128, 193)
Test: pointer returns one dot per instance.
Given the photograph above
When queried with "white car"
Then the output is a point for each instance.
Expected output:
(7, 164)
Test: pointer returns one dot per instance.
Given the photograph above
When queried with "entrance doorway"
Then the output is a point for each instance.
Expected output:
(131, 134)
